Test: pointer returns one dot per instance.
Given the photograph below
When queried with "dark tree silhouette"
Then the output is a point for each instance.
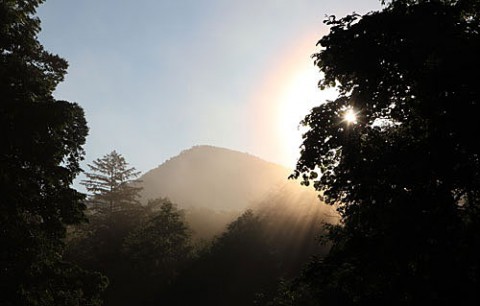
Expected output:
(156, 251)
(239, 264)
(162, 242)
(405, 173)
(141, 250)
(112, 182)
(97, 246)
(41, 146)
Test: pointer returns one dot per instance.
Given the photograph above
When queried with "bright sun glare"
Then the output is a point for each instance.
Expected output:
(299, 96)
(350, 116)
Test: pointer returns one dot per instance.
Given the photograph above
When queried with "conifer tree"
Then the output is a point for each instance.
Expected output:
(112, 182)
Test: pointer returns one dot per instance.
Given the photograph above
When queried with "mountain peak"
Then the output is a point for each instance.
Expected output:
(205, 150)
(213, 177)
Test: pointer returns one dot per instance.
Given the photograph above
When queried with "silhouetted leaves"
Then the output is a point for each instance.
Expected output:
(40, 151)
(244, 265)
(141, 249)
(406, 176)
(159, 245)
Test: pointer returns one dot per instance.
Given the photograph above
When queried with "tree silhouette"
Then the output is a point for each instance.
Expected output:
(141, 250)
(239, 263)
(41, 146)
(112, 182)
(161, 243)
(405, 174)
(156, 251)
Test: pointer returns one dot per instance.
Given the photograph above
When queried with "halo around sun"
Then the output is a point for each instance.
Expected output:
(350, 116)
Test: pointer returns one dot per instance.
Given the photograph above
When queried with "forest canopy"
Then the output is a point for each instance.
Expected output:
(395, 153)
(405, 174)
(42, 146)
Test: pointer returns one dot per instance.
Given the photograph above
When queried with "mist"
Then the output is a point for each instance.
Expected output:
(388, 140)
(245, 228)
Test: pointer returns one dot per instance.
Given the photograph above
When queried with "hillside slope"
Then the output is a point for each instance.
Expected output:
(213, 178)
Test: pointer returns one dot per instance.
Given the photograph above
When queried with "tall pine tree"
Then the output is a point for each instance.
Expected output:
(112, 182)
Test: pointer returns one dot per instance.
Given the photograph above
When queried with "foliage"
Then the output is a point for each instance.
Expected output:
(148, 256)
(243, 265)
(231, 271)
(161, 243)
(112, 182)
(42, 141)
(140, 249)
(98, 246)
(406, 175)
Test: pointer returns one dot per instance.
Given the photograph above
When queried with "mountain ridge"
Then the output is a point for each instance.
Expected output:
(215, 185)
(213, 177)
(212, 147)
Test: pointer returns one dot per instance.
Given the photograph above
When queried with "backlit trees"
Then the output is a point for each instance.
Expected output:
(40, 150)
(405, 174)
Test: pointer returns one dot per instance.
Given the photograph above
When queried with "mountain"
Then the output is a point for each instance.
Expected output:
(216, 185)
(213, 178)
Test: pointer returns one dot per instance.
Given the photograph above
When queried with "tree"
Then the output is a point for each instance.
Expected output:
(42, 141)
(98, 246)
(112, 182)
(403, 168)
(163, 241)
(156, 251)
(240, 263)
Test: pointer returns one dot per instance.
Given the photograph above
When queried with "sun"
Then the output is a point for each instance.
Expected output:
(286, 95)
(350, 116)
(299, 95)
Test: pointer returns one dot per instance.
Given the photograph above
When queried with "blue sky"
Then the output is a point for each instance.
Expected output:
(156, 77)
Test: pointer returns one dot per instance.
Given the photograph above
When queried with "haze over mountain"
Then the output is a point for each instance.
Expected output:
(215, 185)
(214, 178)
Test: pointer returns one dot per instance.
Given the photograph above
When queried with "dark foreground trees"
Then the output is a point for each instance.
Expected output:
(141, 249)
(158, 245)
(406, 173)
(239, 264)
(243, 265)
(41, 146)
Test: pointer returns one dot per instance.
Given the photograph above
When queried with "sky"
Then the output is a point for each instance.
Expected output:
(156, 77)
